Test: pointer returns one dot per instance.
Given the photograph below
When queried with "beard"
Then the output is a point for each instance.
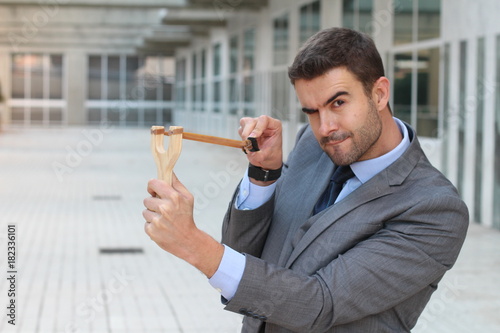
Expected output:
(362, 139)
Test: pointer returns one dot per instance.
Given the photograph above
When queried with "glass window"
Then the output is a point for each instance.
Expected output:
(496, 196)
(233, 96)
(132, 82)
(55, 115)
(56, 77)
(113, 78)
(94, 115)
(425, 65)
(217, 84)
(37, 80)
(403, 67)
(462, 112)
(203, 63)
(357, 15)
(180, 84)
(446, 106)
(233, 54)
(348, 14)
(309, 20)
(248, 74)
(131, 116)
(280, 95)
(249, 96)
(150, 117)
(35, 63)
(18, 115)
(94, 78)
(425, 13)
(403, 22)
(249, 50)
(194, 66)
(429, 19)
(36, 115)
(217, 60)
(113, 116)
(217, 97)
(168, 89)
(428, 92)
(280, 40)
(365, 16)
(18, 76)
(152, 76)
(479, 130)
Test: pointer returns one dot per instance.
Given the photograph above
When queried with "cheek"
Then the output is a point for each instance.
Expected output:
(354, 119)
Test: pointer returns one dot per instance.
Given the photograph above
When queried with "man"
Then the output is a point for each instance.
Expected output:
(296, 258)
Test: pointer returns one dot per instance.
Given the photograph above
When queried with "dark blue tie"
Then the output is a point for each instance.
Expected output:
(339, 177)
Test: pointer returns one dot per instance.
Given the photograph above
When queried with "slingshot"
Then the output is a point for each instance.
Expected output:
(165, 160)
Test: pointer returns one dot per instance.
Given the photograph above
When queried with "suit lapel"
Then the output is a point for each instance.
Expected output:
(373, 189)
(380, 185)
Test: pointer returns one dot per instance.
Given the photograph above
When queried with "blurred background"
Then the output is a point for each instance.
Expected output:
(87, 76)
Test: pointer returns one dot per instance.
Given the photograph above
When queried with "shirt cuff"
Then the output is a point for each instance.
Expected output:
(228, 276)
(252, 196)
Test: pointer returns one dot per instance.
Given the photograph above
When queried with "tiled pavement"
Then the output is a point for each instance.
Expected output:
(73, 192)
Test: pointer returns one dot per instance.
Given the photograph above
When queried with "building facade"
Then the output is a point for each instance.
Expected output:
(442, 57)
(231, 59)
(77, 62)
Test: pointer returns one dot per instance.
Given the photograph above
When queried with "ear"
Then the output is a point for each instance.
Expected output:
(381, 93)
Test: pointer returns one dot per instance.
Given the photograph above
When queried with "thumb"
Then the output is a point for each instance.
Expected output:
(179, 187)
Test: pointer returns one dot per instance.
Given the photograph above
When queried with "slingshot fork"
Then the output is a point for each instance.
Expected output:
(165, 160)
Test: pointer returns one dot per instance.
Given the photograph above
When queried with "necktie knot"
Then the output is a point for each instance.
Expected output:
(342, 174)
(339, 177)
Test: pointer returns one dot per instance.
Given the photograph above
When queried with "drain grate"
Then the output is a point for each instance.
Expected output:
(106, 197)
(121, 250)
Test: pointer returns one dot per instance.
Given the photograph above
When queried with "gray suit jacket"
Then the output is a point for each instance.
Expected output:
(369, 263)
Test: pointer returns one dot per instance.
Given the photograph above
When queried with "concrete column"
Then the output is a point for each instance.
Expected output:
(76, 69)
(4, 88)
(331, 14)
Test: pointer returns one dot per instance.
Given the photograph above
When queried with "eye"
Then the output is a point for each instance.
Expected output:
(338, 103)
(309, 111)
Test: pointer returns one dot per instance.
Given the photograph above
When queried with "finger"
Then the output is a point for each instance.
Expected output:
(150, 216)
(148, 229)
(159, 187)
(260, 126)
(153, 204)
(246, 127)
(150, 190)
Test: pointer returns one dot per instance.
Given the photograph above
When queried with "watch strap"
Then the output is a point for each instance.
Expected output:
(261, 174)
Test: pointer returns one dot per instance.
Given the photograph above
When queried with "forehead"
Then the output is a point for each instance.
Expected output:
(324, 86)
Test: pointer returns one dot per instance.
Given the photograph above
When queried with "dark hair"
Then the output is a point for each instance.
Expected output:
(338, 47)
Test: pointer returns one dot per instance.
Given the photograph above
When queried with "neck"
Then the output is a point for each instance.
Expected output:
(391, 135)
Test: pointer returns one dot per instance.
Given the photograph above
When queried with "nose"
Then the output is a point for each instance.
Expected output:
(328, 123)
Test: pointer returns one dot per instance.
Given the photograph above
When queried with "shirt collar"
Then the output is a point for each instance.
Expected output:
(365, 170)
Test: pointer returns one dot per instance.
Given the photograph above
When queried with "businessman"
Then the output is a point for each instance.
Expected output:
(351, 234)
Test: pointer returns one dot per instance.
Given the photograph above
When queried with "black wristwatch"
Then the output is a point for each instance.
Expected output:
(264, 175)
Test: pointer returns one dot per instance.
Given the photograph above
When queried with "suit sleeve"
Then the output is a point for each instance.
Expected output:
(246, 230)
(407, 256)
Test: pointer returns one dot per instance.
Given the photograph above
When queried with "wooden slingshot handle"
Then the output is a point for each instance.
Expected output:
(165, 160)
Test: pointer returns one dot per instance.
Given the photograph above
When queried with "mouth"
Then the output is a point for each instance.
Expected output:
(335, 142)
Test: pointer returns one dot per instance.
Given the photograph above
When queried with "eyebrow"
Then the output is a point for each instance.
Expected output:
(331, 99)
